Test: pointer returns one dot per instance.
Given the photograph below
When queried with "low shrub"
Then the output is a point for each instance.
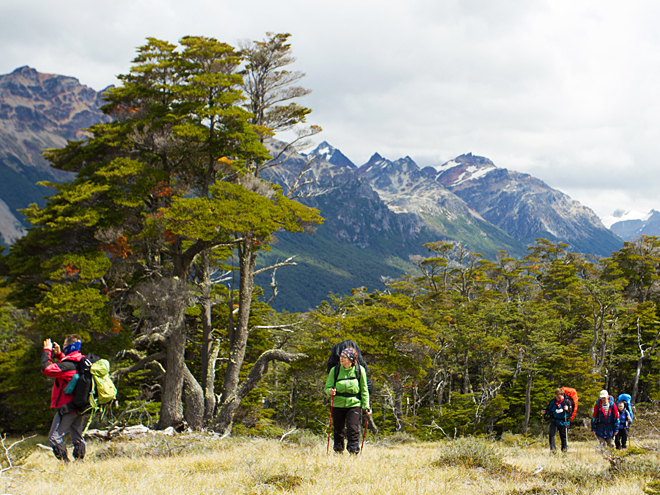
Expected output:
(284, 481)
(537, 490)
(400, 438)
(579, 474)
(471, 452)
(304, 438)
(519, 440)
(635, 466)
(653, 488)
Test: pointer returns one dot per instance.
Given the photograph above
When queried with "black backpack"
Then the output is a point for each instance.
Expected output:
(333, 362)
(84, 383)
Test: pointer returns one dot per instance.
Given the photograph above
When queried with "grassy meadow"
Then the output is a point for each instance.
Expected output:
(202, 464)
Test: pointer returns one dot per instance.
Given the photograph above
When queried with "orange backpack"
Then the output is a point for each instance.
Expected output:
(572, 393)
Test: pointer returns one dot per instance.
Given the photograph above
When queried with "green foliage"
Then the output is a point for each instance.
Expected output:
(164, 193)
(470, 453)
(169, 193)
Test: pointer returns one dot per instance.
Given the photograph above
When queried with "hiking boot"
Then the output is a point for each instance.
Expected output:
(79, 451)
(60, 453)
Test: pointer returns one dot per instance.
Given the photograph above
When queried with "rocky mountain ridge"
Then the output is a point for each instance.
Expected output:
(632, 228)
(525, 207)
(472, 190)
(38, 111)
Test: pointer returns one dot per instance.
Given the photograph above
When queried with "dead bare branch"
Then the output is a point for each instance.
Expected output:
(118, 374)
(286, 262)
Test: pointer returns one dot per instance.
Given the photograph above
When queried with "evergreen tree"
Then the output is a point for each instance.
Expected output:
(164, 184)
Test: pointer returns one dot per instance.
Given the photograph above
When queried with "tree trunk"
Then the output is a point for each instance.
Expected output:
(638, 372)
(230, 404)
(194, 399)
(528, 401)
(210, 400)
(640, 361)
(208, 357)
(466, 374)
(171, 410)
(238, 339)
(398, 403)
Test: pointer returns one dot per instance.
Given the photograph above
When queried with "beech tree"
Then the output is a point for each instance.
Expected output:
(167, 183)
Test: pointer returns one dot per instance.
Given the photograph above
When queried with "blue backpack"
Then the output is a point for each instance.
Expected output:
(626, 398)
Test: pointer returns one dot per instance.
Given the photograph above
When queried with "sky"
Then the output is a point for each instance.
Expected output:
(566, 91)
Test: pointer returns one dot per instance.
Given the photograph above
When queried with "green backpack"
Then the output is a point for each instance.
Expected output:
(105, 390)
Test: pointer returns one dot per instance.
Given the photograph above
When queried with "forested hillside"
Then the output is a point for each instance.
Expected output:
(152, 252)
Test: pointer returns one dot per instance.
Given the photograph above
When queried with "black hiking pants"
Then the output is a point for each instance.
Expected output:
(346, 418)
(73, 424)
(621, 439)
(563, 435)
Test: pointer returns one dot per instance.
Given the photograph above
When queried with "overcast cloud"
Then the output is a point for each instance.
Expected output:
(566, 91)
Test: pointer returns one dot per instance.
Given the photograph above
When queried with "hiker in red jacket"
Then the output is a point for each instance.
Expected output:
(605, 419)
(67, 419)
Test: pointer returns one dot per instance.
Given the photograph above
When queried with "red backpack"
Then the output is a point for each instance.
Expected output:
(571, 393)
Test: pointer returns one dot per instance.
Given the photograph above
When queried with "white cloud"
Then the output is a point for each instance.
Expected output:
(566, 91)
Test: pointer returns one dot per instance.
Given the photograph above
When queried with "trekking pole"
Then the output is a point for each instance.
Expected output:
(332, 403)
(364, 433)
(566, 426)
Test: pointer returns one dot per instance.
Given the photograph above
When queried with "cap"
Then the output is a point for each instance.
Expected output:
(603, 393)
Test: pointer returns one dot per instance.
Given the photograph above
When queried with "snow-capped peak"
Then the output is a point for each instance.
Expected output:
(324, 150)
(462, 169)
(621, 215)
(329, 153)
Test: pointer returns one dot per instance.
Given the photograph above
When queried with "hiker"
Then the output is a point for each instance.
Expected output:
(350, 393)
(67, 419)
(559, 410)
(605, 419)
(337, 349)
(621, 435)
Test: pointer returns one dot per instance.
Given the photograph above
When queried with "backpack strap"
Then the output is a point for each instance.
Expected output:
(344, 394)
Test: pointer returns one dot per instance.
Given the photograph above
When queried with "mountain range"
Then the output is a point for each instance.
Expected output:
(37, 111)
(384, 211)
(377, 215)
(630, 225)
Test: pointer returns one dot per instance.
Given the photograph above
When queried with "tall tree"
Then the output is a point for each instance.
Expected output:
(161, 186)
(267, 85)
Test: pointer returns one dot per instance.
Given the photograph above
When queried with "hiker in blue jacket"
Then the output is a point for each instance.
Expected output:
(559, 411)
(350, 393)
(605, 419)
(621, 437)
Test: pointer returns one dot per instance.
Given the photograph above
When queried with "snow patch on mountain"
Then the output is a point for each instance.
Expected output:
(622, 215)
(472, 173)
(448, 165)
(330, 154)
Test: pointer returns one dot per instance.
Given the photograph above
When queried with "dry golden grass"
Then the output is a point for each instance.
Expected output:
(192, 465)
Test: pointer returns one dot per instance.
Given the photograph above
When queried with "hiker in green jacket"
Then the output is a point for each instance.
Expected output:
(347, 383)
